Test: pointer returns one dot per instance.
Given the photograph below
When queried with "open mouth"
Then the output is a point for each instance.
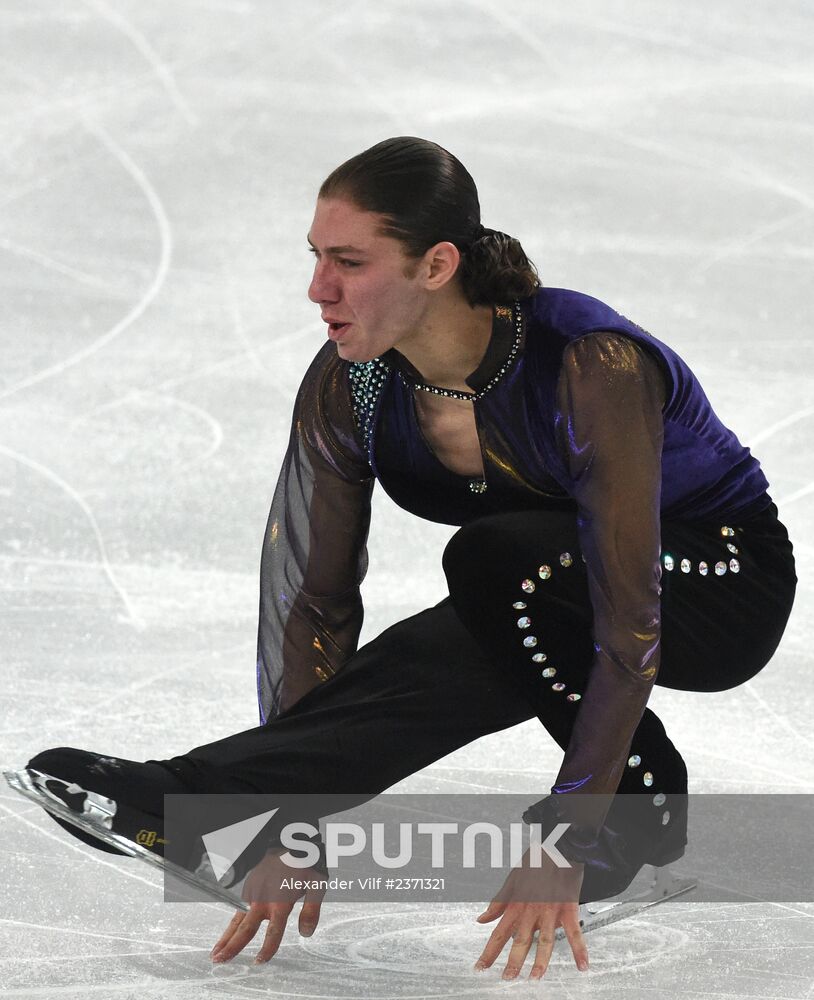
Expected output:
(336, 329)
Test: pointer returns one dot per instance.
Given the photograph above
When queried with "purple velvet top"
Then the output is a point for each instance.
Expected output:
(576, 407)
(706, 472)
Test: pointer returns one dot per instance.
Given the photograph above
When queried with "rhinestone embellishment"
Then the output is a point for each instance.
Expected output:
(566, 559)
(524, 622)
(665, 818)
(519, 605)
(478, 485)
(544, 572)
(634, 761)
(530, 640)
(549, 672)
(647, 778)
(366, 381)
(727, 532)
(559, 686)
(528, 586)
(456, 394)
(573, 697)
(660, 799)
(539, 658)
(720, 567)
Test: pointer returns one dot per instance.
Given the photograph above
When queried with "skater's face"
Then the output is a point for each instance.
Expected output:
(365, 280)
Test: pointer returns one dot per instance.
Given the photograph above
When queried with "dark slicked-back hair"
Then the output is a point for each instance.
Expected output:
(427, 196)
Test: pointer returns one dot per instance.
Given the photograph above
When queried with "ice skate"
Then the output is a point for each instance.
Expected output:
(99, 820)
(663, 885)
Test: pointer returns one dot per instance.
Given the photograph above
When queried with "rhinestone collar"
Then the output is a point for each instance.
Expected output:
(507, 334)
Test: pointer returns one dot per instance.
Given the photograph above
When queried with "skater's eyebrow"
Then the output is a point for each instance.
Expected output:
(344, 249)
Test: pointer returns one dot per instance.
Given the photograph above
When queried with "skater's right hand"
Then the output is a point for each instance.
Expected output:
(270, 901)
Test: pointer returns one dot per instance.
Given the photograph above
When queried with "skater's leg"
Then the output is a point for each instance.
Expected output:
(718, 629)
(416, 693)
(420, 690)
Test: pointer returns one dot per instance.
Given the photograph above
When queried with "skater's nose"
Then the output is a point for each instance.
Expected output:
(326, 283)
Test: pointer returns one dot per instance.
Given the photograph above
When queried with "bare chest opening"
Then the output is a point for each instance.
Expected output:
(449, 428)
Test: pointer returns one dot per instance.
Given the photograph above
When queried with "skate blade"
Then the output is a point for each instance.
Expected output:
(665, 885)
(25, 783)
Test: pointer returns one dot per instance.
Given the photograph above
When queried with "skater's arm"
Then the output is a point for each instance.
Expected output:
(610, 400)
(314, 551)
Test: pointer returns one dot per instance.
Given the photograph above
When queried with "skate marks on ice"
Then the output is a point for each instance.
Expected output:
(94, 893)
(392, 949)
(143, 46)
(700, 949)
(90, 517)
(712, 953)
(162, 267)
(446, 938)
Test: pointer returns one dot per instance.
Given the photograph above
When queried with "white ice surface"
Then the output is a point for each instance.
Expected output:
(159, 164)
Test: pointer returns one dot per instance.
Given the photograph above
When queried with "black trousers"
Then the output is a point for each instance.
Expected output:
(426, 686)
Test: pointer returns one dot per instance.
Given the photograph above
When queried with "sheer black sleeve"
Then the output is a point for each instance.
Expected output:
(610, 397)
(315, 548)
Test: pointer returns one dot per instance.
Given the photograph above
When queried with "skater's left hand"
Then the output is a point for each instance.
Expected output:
(520, 919)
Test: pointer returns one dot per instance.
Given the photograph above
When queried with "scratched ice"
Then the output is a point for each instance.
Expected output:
(160, 163)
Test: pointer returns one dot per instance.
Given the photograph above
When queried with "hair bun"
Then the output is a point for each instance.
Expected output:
(494, 268)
